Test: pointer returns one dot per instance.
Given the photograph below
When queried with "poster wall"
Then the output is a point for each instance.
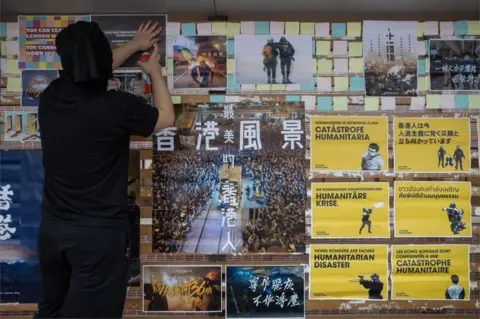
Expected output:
(346, 143)
(265, 292)
(431, 145)
(182, 288)
(34, 82)
(21, 126)
(390, 58)
(350, 210)
(230, 178)
(350, 272)
(431, 272)
(433, 209)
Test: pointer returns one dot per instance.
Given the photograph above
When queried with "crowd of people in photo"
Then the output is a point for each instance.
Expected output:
(387, 78)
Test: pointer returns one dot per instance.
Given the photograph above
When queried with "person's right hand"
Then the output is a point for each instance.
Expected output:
(152, 66)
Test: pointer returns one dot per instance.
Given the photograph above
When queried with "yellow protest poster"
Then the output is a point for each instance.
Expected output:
(431, 272)
(350, 210)
(431, 145)
(347, 143)
(351, 272)
(433, 209)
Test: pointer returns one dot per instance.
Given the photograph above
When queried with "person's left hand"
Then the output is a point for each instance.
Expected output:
(147, 35)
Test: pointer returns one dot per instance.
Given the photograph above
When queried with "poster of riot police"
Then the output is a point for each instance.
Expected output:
(265, 292)
(272, 59)
(230, 178)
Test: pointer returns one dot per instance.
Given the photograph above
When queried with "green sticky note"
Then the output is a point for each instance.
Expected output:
(219, 28)
(233, 28)
(176, 99)
(307, 28)
(165, 71)
(473, 27)
(340, 83)
(292, 27)
(170, 65)
(264, 87)
(12, 66)
(355, 65)
(324, 66)
(279, 87)
(230, 66)
(354, 29)
(340, 103)
(314, 66)
(372, 103)
(420, 30)
(14, 84)
(355, 49)
(421, 84)
(3, 48)
(474, 101)
(433, 101)
(323, 48)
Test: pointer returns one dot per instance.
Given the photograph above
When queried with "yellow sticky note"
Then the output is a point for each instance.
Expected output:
(170, 66)
(473, 27)
(340, 83)
(263, 87)
(307, 28)
(421, 84)
(323, 48)
(279, 87)
(219, 28)
(14, 84)
(474, 101)
(324, 66)
(233, 28)
(340, 103)
(12, 66)
(176, 99)
(355, 49)
(372, 103)
(420, 30)
(292, 27)
(314, 66)
(427, 83)
(433, 101)
(355, 65)
(3, 48)
(230, 66)
(354, 29)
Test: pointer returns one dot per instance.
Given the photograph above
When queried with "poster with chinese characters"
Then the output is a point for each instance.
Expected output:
(431, 272)
(433, 209)
(349, 143)
(182, 289)
(349, 272)
(350, 210)
(265, 292)
(431, 145)
(230, 178)
(454, 64)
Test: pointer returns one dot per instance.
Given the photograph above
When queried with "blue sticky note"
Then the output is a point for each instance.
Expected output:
(231, 85)
(357, 84)
(189, 29)
(461, 101)
(293, 98)
(217, 98)
(461, 28)
(339, 30)
(324, 103)
(262, 27)
(421, 66)
(308, 86)
(314, 44)
(3, 29)
(230, 47)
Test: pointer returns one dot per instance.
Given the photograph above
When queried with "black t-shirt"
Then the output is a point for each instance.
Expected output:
(85, 139)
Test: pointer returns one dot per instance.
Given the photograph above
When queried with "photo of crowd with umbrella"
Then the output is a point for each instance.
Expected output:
(231, 178)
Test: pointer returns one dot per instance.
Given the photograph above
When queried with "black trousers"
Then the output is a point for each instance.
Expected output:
(84, 271)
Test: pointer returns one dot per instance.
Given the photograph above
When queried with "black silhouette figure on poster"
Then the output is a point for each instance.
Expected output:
(455, 216)
(441, 156)
(458, 156)
(445, 160)
(366, 212)
(374, 286)
(271, 51)
(455, 291)
(371, 160)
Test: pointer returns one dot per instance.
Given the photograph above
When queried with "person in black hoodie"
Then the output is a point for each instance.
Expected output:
(83, 241)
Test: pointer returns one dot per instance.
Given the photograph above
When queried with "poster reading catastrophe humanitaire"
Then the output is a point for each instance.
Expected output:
(431, 272)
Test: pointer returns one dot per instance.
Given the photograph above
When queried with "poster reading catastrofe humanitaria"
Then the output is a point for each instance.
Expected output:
(231, 178)
(265, 292)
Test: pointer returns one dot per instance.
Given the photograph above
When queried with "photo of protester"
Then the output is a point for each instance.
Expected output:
(252, 152)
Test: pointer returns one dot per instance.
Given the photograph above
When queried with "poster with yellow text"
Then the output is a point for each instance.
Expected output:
(351, 272)
(350, 210)
(431, 272)
(431, 145)
(433, 209)
(348, 143)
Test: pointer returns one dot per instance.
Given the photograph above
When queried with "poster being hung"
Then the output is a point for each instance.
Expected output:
(21, 126)
(454, 65)
(265, 292)
(390, 58)
(34, 82)
(230, 178)
(127, 81)
(36, 40)
(431, 145)
(121, 28)
(433, 209)
(431, 272)
(350, 272)
(350, 210)
(182, 289)
(347, 143)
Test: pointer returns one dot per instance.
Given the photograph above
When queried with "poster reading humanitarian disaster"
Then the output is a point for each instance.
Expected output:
(454, 65)
(121, 28)
(433, 209)
(34, 82)
(21, 126)
(431, 145)
(265, 292)
(199, 62)
(349, 272)
(390, 58)
(431, 272)
(230, 178)
(36, 40)
(182, 288)
(348, 143)
(272, 59)
(350, 210)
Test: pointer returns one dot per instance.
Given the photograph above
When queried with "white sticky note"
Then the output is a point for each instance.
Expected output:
(248, 87)
(12, 30)
(388, 103)
(324, 84)
(322, 30)
(417, 103)
(446, 28)
(277, 27)
(11, 47)
(447, 101)
(430, 28)
(247, 27)
(340, 66)
(292, 87)
(310, 102)
(421, 48)
(169, 46)
(232, 99)
(340, 48)
(204, 28)
(173, 28)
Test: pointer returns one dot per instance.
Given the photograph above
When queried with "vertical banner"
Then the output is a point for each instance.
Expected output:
(431, 145)
(433, 209)
(36, 40)
(230, 178)
(347, 143)
(350, 272)
(431, 272)
(265, 292)
(182, 289)
(350, 210)
(390, 58)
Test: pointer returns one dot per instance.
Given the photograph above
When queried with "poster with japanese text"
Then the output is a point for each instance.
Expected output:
(265, 292)
(431, 272)
(431, 145)
(350, 272)
(433, 209)
(350, 210)
(230, 178)
(182, 288)
(36, 40)
(349, 143)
